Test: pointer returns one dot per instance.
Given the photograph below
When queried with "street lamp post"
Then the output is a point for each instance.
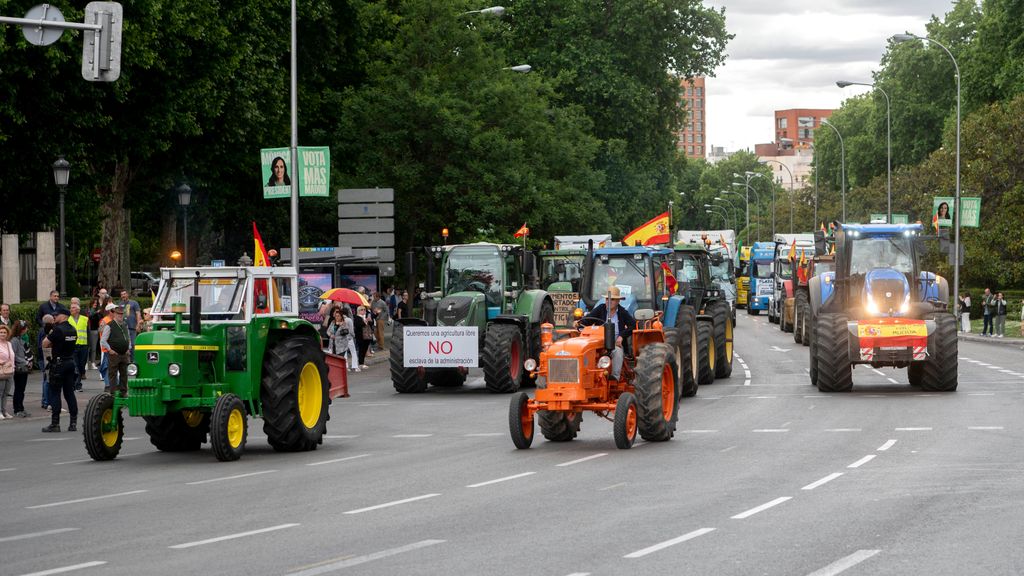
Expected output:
(842, 156)
(671, 224)
(790, 198)
(888, 139)
(184, 200)
(732, 209)
(719, 214)
(61, 172)
(898, 38)
(748, 176)
(745, 199)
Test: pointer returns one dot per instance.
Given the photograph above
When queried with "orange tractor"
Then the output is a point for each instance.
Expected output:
(574, 374)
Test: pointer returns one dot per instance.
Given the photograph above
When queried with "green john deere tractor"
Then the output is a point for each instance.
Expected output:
(244, 351)
(483, 286)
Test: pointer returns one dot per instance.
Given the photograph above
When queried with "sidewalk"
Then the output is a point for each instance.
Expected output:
(1008, 341)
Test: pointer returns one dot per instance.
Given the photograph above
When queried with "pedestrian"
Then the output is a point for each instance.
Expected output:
(104, 359)
(81, 324)
(132, 319)
(61, 341)
(364, 335)
(5, 314)
(392, 300)
(965, 312)
(115, 340)
(403, 306)
(46, 308)
(7, 366)
(147, 320)
(380, 318)
(44, 357)
(987, 307)
(340, 340)
(21, 367)
(96, 314)
(1000, 315)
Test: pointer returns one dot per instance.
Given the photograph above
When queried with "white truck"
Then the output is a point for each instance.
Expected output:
(782, 273)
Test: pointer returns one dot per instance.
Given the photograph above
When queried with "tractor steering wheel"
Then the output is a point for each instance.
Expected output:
(478, 286)
(590, 321)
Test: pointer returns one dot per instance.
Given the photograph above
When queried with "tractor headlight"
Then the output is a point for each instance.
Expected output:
(174, 369)
(604, 362)
(905, 307)
(133, 370)
(530, 364)
(872, 306)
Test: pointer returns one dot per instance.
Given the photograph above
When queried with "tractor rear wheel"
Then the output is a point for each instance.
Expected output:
(915, 372)
(624, 425)
(657, 393)
(835, 373)
(183, 431)
(228, 428)
(686, 346)
(293, 393)
(447, 378)
(101, 441)
(811, 340)
(705, 353)
(939, 373)
(503, 358)
(404, 379)
(520, 421)
(723, 339)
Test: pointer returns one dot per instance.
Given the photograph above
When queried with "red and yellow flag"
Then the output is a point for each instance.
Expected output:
(792, 251)
(935, 223)
(654, 231)
(260, 256)
(523, 231)
(670, 278)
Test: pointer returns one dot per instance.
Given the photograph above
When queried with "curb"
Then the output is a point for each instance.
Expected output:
(1002, 342)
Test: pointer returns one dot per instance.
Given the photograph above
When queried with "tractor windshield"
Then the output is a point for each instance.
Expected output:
(689, 270)
(889, 251)
(722, 272)
(627, 273)
(479, 269)
(221, 296)
(562, 268)
(785, 269)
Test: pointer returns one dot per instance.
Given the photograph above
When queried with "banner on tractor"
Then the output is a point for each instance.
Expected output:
(441, 346)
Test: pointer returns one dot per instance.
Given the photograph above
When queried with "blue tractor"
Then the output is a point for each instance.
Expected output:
(880, 309)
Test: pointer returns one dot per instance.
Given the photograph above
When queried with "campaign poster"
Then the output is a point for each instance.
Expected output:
(276, 173)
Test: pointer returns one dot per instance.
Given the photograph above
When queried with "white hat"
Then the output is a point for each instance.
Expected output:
(113, 306)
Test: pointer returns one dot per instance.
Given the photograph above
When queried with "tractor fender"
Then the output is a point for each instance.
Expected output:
(934, 288)
(531, 302)
(814, 294)
(279, 327)
(672, 310)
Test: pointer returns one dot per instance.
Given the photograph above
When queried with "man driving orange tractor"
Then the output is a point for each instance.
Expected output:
(624, 326)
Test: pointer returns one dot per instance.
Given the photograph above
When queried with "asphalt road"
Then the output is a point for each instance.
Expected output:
(765, 476)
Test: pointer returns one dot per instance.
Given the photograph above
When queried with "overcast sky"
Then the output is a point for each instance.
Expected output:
(789, 54)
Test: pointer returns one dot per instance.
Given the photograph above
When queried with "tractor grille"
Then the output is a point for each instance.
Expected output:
(451, 309)
(566, 370)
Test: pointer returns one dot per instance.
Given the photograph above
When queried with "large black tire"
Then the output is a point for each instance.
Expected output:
(722, 331)
(799, 314)
(915, 373)
(686, 351)
(229, 428)
(835, 373)
(811, 339)
(558, 426)
(293, 394)
(657, 393)
(99, 443)
(520, 422)
(624, 426)
(178, 431)
(503, 358)
(705, 353)
(446, 377)
(939, 373)
(405, 380)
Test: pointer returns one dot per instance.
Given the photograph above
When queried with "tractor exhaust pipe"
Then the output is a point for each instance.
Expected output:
(195, 309)
(588, 276)
(609, 335)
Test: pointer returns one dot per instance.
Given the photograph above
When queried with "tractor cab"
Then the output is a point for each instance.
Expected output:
(636, 270)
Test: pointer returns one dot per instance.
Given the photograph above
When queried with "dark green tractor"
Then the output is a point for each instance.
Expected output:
(692, 263)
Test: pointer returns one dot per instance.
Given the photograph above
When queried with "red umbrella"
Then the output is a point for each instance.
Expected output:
(345, 295)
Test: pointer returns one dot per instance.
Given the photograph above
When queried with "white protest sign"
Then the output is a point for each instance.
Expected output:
(441, 346)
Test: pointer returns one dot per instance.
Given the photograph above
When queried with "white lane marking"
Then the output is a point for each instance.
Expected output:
(888, 444)
(746, 373)
(373, 404)
(389, 504)
(412, 435)
(667, 543)
(340, 436)
(995, 367)
(364, 559)
(982, 364)
(496, 480)
(66, 569)
(981, 394)
(761, 508)
(969, 428)
(48, 439)
(727, 449)
(580, 574)
(922, 429)
(843, 564)
(699, 431)
(78, 500)
(892, 380)
(817, 483)
(7, 469)
(842, 429)
(862, 461)
(619, 485)
(770, 430)
(746, 382)
(336, 460)
(482, 434)
(231, 536)
(1007, 371)
(924, 395)
(707, 397)
(36, 534)
(72, 462)
(127, 438)
(235, 477)
(877, 371)
(584, 459)
(763, 397)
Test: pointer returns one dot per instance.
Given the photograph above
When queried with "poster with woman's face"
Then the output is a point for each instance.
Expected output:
(942, 211)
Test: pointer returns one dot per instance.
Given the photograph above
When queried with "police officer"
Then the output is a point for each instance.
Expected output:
(62, 341)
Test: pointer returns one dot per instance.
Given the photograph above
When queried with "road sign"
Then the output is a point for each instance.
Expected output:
(386, 210)
(901, 219)
(217, 263)
(101, 50)
(42, 35)
(366, 195)
(366, 225)
(367, 240)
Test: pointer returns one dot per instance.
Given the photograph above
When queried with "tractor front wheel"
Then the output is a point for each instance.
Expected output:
(102, 439)
(404, 379)
(705, 353)
(723, 339)
(228, 428)
(657, 393)
(686, 345)
(503, 358)
(520, 421)
(183, 431)
(293, 393)
(624, 426)
(939, 373)
(835, 373)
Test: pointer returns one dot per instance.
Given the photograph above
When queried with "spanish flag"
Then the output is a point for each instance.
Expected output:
(654, 231)
(523, 231)
(260, 256)
(792, 251)
(935, 223)
(670, 278)
(801, 271)
(260, 288)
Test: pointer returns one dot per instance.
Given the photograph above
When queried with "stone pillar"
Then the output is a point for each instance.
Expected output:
(46, 266)
(12, 269)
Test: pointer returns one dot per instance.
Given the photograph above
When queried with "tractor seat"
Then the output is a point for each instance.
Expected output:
(643, 314)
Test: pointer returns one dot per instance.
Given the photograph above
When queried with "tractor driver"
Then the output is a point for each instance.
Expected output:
(623, 322)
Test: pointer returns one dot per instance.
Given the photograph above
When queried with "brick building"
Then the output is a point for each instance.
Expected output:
(692, 136)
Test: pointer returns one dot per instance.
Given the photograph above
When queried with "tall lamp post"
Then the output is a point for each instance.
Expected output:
(732, 209)
(790, 198)
(184, 200)
(888, 139)
(747, 238)
(715, 213)
(842, 156)
(61, 172)
(899, 38)
(748, 176)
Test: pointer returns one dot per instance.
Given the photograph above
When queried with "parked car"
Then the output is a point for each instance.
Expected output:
(144, 282)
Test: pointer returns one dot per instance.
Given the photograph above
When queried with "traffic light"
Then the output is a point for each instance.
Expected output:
(101, 50)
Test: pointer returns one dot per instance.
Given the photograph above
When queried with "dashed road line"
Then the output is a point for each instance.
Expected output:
(764, 397)
(981, 394)
(892, 380)
(619, 485)
(761, 508)
(843, 564)
(72, 462)
(231, 536)
(920, 429)
(7, 469)
(90, 499)
(235, 477)
(981, 363)
(65, 569)
(984, 427)
(662, 545)
(36, 534)
(390, 504)
(62, 439)
(584, 459)
(770, 430)
(862, 461)
(355, 561)
(336, 460)
(824, 480)
(888, 444)
(746, 373)
(496, 480)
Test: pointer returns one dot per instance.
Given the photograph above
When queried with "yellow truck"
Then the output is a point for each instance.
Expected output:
(742, 280)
